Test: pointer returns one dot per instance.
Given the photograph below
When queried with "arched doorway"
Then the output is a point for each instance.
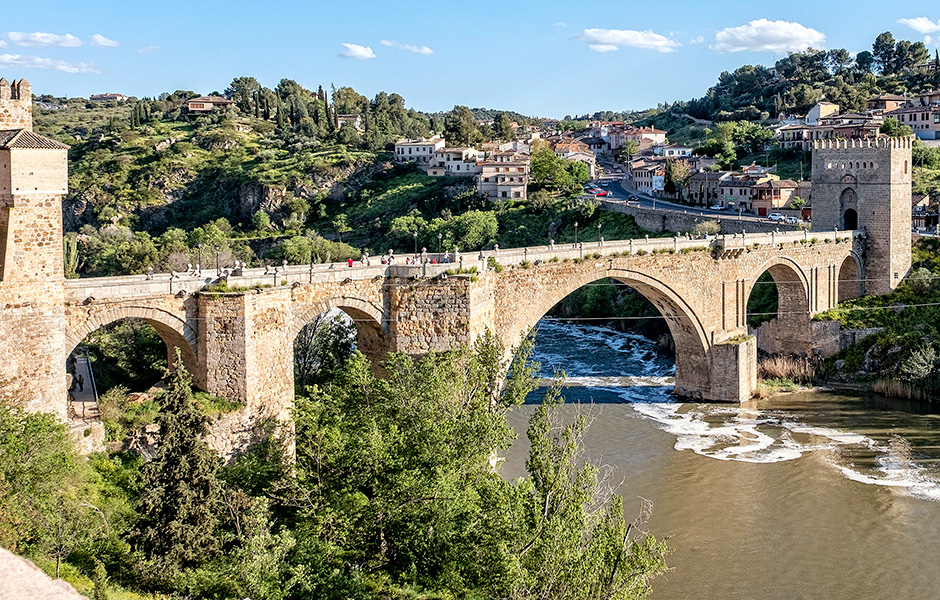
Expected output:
(850, 283)
(778, 309)
(850, 219)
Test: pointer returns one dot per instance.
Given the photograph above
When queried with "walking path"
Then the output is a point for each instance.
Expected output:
(83, 405)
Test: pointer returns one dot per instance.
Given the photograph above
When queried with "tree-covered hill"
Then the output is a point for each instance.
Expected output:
(274, 178)
(801, 79)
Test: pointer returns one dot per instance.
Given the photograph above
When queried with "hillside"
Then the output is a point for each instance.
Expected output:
(151, 185)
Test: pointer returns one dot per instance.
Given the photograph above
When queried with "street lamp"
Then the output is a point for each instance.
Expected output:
(575, 233)
(440, 236)
(199, 262)
(415, 236)
(218, 265)
(598, 231)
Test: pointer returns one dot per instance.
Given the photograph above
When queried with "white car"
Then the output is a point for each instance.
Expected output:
(792, 221)
(716, 207)
(776, 217)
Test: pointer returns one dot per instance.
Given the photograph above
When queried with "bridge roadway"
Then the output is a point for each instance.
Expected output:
(239, 344)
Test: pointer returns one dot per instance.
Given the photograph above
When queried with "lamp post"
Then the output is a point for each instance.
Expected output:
(199, 262)
(598, 232)
(218, 264)
(575, 233)
(415, 236)
(440, 236)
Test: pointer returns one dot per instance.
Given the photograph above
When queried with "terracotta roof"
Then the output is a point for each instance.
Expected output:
(24, 138)
(887, 97)
(212, 99)
(778, 184)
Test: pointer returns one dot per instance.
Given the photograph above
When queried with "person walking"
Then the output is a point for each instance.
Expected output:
(80, 380)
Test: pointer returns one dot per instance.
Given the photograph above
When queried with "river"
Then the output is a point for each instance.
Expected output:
(804, 495)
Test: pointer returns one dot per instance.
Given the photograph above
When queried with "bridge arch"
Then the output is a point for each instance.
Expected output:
(850, 280)
(683, 320)
(370, 321)
(793, 289)
(789, 331)
(173, 330)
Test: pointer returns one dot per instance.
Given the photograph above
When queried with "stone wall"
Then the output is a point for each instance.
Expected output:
(16, 105)
(657, 219)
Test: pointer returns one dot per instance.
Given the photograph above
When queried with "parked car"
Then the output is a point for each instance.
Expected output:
(792, 221)
(716, 207)
(600, 193)
(776, 217)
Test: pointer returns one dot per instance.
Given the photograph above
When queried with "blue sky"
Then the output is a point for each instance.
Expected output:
(547, 58)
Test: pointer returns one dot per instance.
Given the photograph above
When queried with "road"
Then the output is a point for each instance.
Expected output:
(618, 190)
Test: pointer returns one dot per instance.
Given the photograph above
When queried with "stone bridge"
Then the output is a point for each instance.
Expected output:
(240, 344)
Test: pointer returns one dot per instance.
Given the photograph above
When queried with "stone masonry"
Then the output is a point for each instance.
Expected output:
(240, 345)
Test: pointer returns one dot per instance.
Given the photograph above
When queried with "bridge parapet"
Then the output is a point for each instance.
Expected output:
(726, 242)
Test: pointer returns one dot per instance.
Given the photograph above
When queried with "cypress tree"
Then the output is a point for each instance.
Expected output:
(321, 94)
(280, 114)
(180, 488)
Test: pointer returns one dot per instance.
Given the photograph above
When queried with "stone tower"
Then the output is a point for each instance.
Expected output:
(33, 179)
(866, 184)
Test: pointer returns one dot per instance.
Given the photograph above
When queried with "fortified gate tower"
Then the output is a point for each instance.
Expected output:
(33, 179)
(866, 184)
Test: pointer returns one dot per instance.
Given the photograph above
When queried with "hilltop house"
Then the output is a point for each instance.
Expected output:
(204, 104)
(107, 98)
(354, 120)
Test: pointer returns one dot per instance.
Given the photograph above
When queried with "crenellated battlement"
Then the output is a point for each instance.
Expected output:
(16, 104)
(862, 143)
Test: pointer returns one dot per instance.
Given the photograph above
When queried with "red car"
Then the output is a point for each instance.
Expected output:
(600, 193)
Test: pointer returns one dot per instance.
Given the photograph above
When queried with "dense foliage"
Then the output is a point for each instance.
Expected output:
(801, 79)
(395, 493)
(906, 348)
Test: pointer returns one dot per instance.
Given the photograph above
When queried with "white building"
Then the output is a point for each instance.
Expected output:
(420, 151)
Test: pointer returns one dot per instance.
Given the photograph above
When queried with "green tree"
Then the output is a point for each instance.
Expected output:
(864, 61)
(341, 225)
(883, 53)
(461, 128)
(894, 128)
(502, 127)
(242, 90)
(628, 150)
(180, 492)
(676, 173)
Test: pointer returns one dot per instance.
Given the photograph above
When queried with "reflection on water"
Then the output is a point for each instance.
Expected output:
(804, 495)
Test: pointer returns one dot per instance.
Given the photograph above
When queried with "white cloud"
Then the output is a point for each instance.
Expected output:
(921, 24)
(3, 44)
(762, 35)
(607, 40)
(697, 40)
(99, 40)
(928, 40)
(409, 47)
(561, 24)
(147, 50)
(37, 62)
(40, 38)
(356, 51)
